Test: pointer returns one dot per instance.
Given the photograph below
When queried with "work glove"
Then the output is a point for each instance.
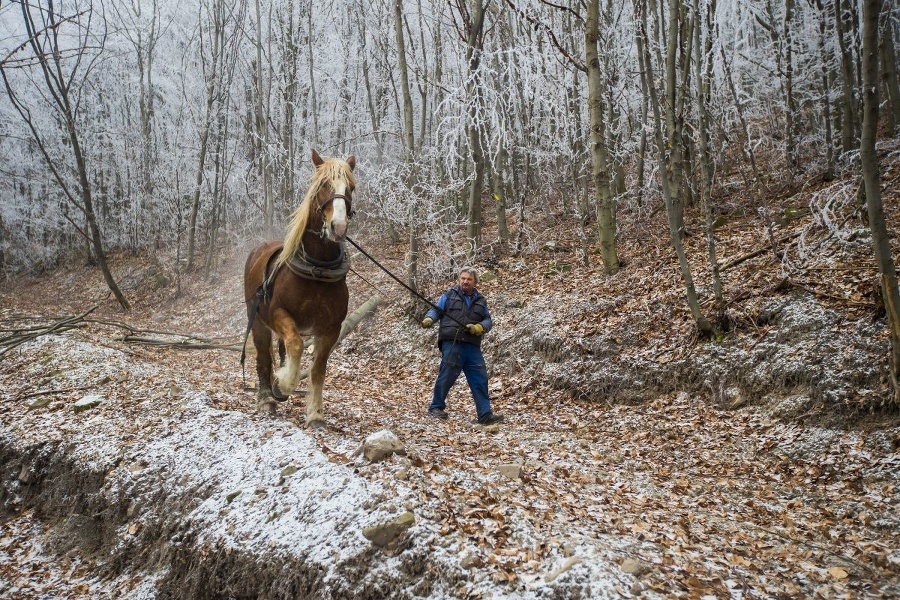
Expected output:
(475, 328)
(427, 322)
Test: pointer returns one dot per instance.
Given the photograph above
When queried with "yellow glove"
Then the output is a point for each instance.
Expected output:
(427, 322)
(475, 328)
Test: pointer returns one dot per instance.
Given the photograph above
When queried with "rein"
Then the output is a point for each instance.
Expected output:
(395, 278)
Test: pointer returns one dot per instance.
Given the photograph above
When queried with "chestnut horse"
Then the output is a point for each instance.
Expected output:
(303, 290)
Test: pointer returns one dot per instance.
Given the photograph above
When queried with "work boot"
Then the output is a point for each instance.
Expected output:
(438, 413)
(490, 418)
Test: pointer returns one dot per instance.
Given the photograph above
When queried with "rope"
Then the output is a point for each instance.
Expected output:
(412, 291)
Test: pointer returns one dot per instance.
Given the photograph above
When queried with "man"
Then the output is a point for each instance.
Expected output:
(464, 319)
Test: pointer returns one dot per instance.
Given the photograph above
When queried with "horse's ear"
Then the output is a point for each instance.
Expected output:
(317, 160)
(351, 160)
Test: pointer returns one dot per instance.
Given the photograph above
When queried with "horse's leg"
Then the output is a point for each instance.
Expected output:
(281, 352)
(324, 346)
(289, 372)
(262, 339)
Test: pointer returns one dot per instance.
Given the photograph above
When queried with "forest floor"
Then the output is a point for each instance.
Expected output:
(672, 493)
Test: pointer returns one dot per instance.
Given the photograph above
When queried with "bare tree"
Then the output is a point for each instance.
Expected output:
(849, 107)
(889, 71)
(407, 136)
(606, 204)
(703, 65)
(219, 21)
(60, 66)
(472, 17)
(871, 174)
(663, 146)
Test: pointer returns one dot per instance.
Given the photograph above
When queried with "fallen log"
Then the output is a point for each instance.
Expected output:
(349, 324)
(26, 334)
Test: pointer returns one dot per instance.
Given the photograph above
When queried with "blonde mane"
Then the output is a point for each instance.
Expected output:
(331, 172)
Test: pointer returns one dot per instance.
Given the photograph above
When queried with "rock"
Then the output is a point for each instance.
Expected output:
(88, 402)
(383, 534)
(382, 444)
(511, 470)
(39, 403)
(570, 562)
(633, 567)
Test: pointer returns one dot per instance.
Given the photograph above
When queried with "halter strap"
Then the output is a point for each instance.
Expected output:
(321, 208)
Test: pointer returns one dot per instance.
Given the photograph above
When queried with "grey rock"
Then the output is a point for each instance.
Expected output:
(383, 534)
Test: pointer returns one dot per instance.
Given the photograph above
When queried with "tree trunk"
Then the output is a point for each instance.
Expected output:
(790, 145)
(93, 227)
(673, 164)
(501, 193)
(889, 74)
(474, 46)
(289, 102)
(212, 87)
(408, 139)
(826, 98)
(872, 178)
(849, 105)
(704, 73)
(313, 96)
(261, 123)
(706, 328)
(606, 203)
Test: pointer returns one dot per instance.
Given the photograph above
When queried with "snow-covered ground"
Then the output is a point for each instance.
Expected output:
(155, 490)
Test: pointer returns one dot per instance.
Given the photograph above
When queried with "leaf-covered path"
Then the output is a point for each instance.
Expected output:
(693, 500)
(680, 494)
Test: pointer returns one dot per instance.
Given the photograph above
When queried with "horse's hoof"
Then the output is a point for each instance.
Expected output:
(277, 393)
(265, 406)
(316, 424)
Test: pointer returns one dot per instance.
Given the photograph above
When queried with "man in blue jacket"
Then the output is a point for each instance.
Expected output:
(464, 319)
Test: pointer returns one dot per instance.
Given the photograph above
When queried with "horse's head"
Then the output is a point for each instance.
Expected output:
(334, 198)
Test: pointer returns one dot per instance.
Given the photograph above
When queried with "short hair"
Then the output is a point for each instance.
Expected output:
(471, 271)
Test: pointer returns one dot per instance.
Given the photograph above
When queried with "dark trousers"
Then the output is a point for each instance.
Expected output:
(456, 358)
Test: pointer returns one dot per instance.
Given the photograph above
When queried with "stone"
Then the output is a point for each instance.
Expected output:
(40, 403)
(88, 402)
(511, 470)
(383, 534)
(633, 567)
(568, 564)
(382, 444)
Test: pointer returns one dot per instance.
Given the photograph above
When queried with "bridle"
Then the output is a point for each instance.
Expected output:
(320, 210)
(345, 197)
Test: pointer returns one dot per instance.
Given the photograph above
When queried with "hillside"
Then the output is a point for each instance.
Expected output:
(636, 460)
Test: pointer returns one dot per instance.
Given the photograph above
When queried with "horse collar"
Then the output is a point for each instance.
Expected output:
(308, 267)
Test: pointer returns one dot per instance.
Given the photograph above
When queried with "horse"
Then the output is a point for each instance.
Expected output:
(298, 288)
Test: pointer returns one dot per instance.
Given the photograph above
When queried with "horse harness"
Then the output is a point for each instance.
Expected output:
(302, 265)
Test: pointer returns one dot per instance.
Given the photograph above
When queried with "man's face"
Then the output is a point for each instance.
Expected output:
(467, 282)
